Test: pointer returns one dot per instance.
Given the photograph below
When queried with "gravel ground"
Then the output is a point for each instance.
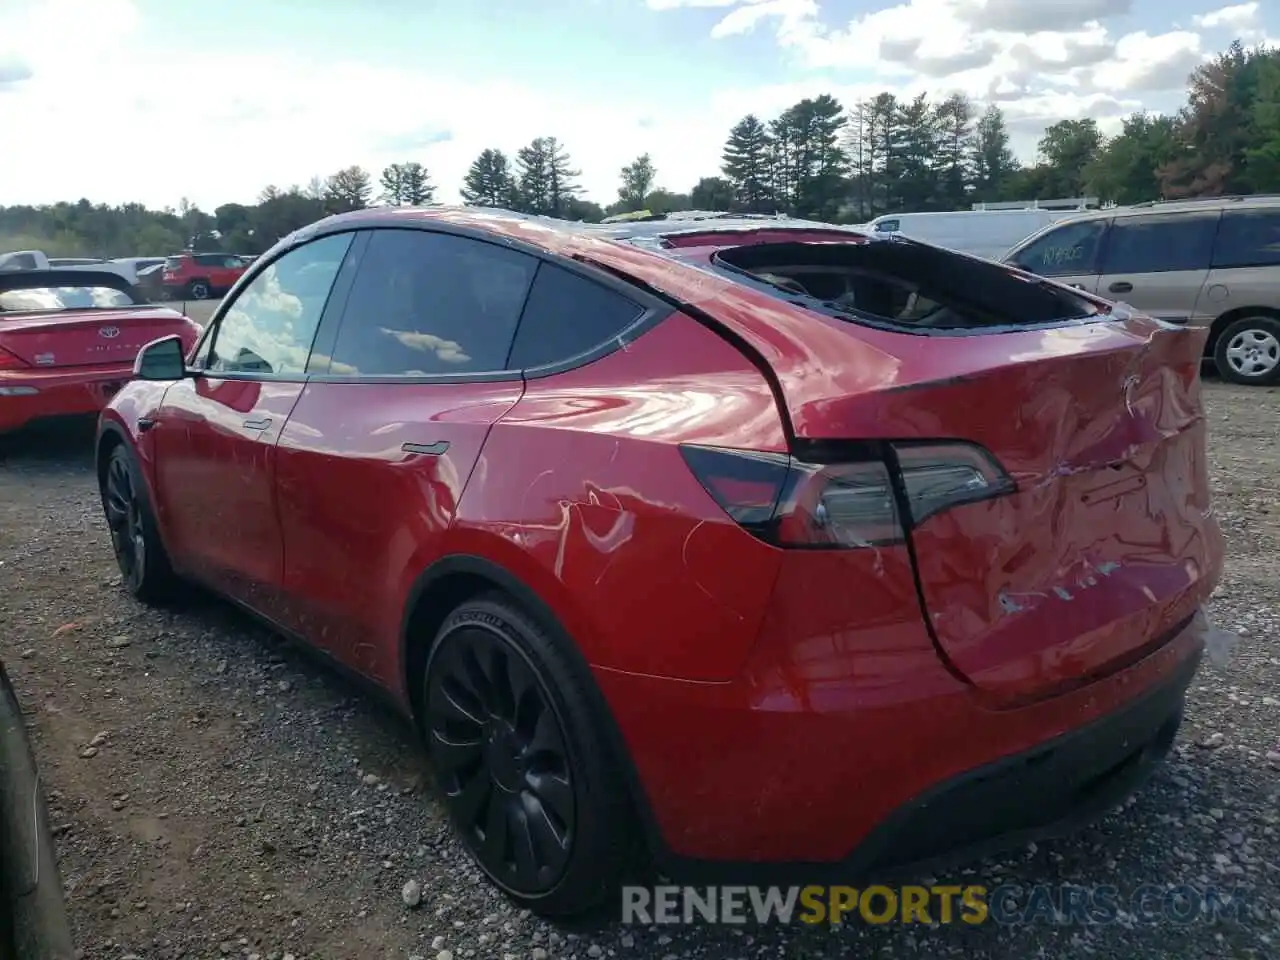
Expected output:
(219, 794)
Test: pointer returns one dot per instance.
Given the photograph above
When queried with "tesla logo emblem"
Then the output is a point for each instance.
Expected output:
(109, 333)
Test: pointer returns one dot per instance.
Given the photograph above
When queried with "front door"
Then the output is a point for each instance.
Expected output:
(373, 461)
(215, 433)
(1068, 253)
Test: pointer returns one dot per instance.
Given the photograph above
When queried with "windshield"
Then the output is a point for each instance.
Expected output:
(64, 298)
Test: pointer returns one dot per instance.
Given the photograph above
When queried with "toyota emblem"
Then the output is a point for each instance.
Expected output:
(109, 333)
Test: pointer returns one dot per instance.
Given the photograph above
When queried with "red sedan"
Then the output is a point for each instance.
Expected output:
(761, 548)
(68, 340)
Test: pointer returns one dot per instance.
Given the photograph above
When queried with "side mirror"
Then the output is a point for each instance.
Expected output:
(161, 359)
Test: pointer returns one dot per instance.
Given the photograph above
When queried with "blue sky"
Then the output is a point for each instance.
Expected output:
(155, 100)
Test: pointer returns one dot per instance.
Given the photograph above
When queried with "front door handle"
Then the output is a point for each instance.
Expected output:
(260, 424)
(1121, 286)
(145, 424)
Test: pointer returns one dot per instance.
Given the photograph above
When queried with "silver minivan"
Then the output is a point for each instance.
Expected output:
(1212, 262)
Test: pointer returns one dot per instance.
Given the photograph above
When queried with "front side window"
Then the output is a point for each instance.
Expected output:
(270, 326)
(1248, 238)
(1065, 251)
(1160, 244)
(425, 304)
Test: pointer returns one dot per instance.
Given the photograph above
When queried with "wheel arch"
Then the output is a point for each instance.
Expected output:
(456, 578)
(1231, 316)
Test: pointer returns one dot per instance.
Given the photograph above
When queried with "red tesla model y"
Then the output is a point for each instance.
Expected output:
(758, 548)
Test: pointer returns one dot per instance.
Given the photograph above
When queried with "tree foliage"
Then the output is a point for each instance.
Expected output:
(816, 159)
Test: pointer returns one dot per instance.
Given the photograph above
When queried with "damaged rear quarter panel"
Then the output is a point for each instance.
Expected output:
(604, 519)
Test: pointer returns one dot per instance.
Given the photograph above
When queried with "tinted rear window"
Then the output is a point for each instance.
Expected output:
(1248, 238)
(64, 298)
(1160, 244)
(566, 316)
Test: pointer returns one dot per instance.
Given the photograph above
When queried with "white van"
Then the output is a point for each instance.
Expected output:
(982, 233)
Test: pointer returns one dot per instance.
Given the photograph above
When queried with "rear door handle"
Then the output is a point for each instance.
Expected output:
(145, 424)
(260, 424)
(1121, 286)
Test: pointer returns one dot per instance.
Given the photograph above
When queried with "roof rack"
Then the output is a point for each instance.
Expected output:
(1233, 197)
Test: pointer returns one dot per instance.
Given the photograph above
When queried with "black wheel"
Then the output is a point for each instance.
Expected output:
(528, 779)
(144, 565)
(1248, 351)
(199, 290)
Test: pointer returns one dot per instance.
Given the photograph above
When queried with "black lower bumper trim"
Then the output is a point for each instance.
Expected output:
(1051, 790)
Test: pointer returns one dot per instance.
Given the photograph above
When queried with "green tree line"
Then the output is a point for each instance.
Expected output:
(818, 159)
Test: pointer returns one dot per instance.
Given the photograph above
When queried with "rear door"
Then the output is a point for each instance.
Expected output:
(1159, 262)
(385, 435)
(215, 433)
(1068, 253)
(1246, 263)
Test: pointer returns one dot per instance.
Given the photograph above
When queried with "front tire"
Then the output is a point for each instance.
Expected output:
(1248, 352)
(529, 781)
(199, 290)
(144, 565)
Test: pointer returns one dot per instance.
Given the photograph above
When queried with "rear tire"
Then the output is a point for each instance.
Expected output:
(1248, 352)
(145, 570)
(530, 783)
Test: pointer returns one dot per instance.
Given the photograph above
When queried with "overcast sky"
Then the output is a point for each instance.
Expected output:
(154, 100)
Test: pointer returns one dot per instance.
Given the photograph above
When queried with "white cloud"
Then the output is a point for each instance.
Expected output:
(1239, 15)
(1041, 60)
(117, 122)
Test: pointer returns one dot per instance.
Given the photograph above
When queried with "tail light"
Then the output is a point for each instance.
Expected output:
(861, 503)
(9, 362)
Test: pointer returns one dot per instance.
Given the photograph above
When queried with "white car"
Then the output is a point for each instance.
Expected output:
(37, 260)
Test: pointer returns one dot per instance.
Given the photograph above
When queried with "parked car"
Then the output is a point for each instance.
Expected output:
(1212, 263)
(33, 914)
(741, 545)
(150, 282)
(21, 260)
(982, 233)
(199, 276)
(68, 340)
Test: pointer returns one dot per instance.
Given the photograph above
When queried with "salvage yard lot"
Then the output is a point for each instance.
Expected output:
(243, 800)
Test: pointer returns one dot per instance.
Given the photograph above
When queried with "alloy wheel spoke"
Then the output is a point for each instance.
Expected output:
(523, 848)
(550, 840)
(554, 792)
(457, 756)
(497, 830)
(469, 801)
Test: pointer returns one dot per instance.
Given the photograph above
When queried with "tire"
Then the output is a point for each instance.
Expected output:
(519, 754)
(144, 564)
(1248, 352)
(199, 290)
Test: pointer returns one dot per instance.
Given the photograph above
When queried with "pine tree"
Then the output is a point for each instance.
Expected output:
(489, 181)
(747, 166)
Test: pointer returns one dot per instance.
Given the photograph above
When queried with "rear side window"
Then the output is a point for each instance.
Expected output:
(1248, 238)
(1066, 251)
(1163, 244)
(888, 226)
(567, 316)
(425, 304)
